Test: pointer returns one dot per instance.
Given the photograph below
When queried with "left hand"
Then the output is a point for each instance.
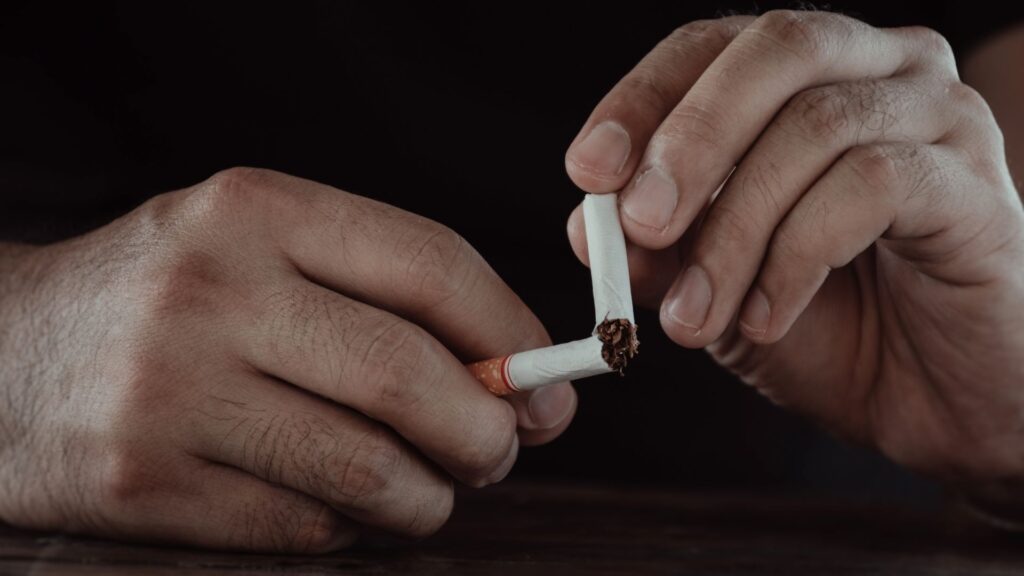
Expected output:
(863, 263)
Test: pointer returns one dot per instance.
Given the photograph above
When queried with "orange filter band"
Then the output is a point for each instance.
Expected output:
(493, 374)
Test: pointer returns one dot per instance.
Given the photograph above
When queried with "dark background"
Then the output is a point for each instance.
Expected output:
(451, 113)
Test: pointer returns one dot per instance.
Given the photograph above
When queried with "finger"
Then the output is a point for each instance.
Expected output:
(811, 132)
(555, 403)
(651, 272)
(285, 436)
(902, 190)
(406, 264)
(704, 137)
(608, 147)
(216, 506)
(387, 368)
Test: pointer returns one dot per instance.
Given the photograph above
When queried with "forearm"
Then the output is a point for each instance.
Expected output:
(9, 279)
(14, 273)
(994, 70)
(12, 277)
(20, 271)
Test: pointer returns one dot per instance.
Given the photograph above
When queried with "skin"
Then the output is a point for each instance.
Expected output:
(985, 68)
(862, 264)
(258, 362)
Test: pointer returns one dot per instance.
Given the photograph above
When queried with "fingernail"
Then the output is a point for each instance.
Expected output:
(550, 405)
(757, 313)
(651, 200)
(604, 150)
(689, 302)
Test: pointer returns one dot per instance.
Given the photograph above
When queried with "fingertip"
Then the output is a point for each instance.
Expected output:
(537, 437)
(651, 238)
(592, 183)
(507, 464)
(755, 317)
(597, 160)
(683, 335)
(544, 408)
(685, 312)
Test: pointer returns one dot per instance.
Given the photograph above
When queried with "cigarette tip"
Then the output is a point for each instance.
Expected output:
(619, 343)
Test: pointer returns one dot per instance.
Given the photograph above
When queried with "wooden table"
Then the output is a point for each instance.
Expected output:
(539, 529)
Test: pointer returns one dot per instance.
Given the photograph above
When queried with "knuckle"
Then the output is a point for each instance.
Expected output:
(808, 35)
(976, 124)
(653, 84)
(212, 213)
(875, 166)
(322, 534)
(766, 193)
(644, 87)
(222, 195)
(934, 44)
(726, 227)
(483, 456)
(789, 249)
(888, 175)
(839, 113)
(238, 178)
(708, 36)
(438, 261)
(692, 125)
(968, 99)
(974, 110)
(301, 326)
(368, 471)
(819, 115)
(397, 363)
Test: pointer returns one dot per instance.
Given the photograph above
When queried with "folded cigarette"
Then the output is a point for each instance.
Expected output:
(613, 341)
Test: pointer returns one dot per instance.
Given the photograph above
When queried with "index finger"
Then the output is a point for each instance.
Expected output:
(420, 270)
(699, 142)
(611, 143)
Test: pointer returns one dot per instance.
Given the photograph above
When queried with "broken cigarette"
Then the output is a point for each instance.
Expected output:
(613, 341)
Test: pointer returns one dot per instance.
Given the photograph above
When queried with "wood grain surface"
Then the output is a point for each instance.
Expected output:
(540, 529)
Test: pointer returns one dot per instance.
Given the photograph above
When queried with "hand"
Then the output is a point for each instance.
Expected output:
(257, 362)
(863, 262)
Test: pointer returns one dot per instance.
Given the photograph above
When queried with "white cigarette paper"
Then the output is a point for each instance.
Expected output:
(558, 363)
(609, 268)
(613, 301)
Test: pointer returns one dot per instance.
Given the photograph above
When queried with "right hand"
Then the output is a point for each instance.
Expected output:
(258, 362)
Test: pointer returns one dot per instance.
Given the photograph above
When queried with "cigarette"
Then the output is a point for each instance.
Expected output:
(612, 343)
